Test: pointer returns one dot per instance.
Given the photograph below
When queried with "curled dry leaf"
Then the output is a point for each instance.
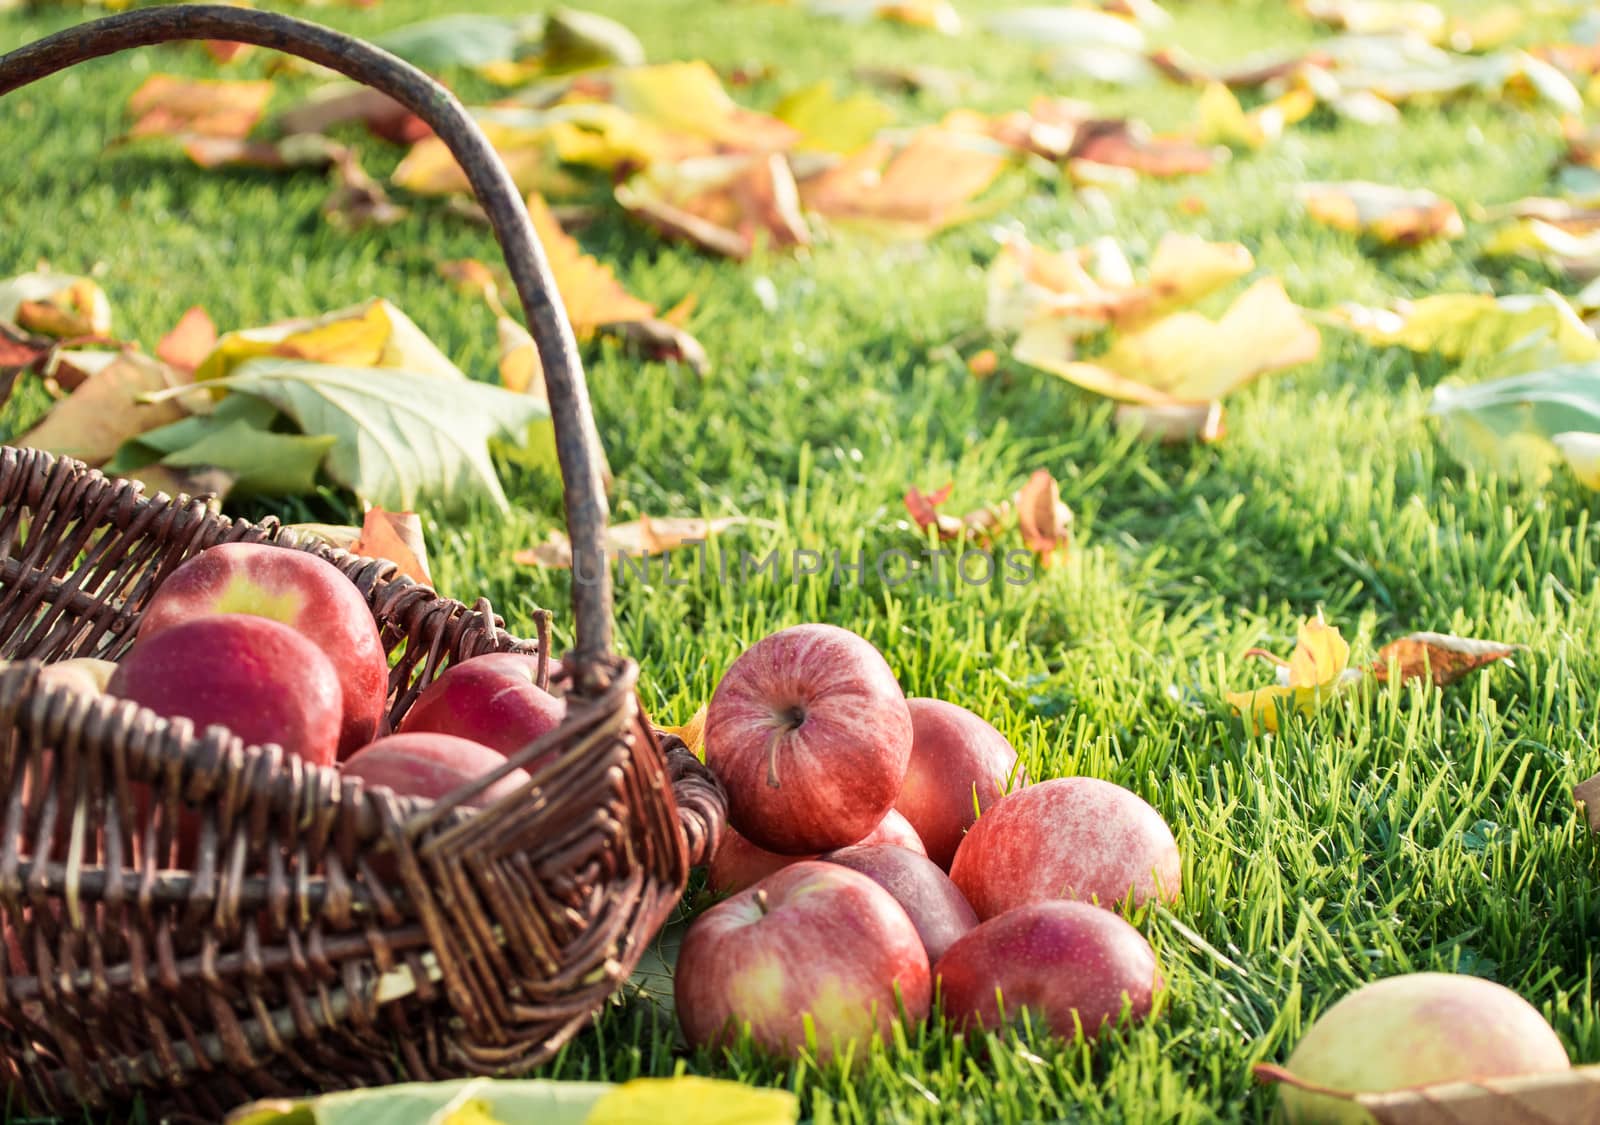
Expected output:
(728, 205)
(1315, 672)
(1045, 522)
(660, 341)
(1130, 144)
(307, 151)
(372, 334)
(1574, 252)
(1174, 422)
(1558, 1096)
(1222, 120)
(977, 525)
(169, 106)
(1392, 215)
(396, 536)
(692, 732)
(340, 104)
(189, 342)
(1587, 795)
(1438, 657)
(357, 200)
(644, 536)
(55, 304)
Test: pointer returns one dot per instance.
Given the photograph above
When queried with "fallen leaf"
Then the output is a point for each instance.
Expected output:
(577, 40)
(1509, 424)
(705, 1101)
(474, 277)
(341, 104)
(687, 99)
(166, 105)
(1315, 672)
(644, 536)
(357, 200)
(728, 205)
(1587, 795)
(307, 151)
(1083, 42)
(189, 342)
(400, 436)
(915, 78)
(827, 123)
(462, 39)
(1222, 120)
(1045, 522)
(1437, 656)
(108, 409)
(1559, 1096)
(692, 732)
(1380, 17)
(924, 510)
(1458, 325)
(397, 537)
(55, 304)
(926, 185)
(590, 291)
(532, 156)
(1251, 71)
(1581, 451)
(19, 352)
(1184, 357)
(934, 15)
(1395, 216)
(374, 333)
(1574, 253)
(658, 341)
(1129, 144)
(225, 51)
(1174, 423)
(204, 483)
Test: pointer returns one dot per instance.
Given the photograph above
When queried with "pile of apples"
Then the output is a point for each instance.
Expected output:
(279, 647)
(862, 878)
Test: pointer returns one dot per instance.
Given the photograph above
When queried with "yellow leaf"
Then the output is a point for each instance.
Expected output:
(692, 732)
(372, 334)
(1392, 215)
(590, 291)
(1380, 17)
(827, 123)
(1459, 325)
(1315, 672)
(1320, 656)
(1222, 120)
(1185, 357)
(1582, 454)
(1575, 253)
(704, 1101)
(520, 369)
(531, 156)
(688, 98)
(55, 304)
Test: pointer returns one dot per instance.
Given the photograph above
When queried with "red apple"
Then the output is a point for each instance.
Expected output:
(1070, 837)
(739, 863)
(1068, 963)
(930, 899)
(815, 942)
(1416, 1030)
(956, 758)
(433, 766)
(492, 699)
(810, 735)
(296, 589)
(263, 681)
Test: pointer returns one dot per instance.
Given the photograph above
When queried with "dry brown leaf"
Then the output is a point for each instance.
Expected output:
(396, 536)
(925, 186)
(1128, 144)
(924, 509)
(190, 340)
(728, 205)
(357, 200)
(1587, 795)
(169, 106)
(1570, 1096)
(384, 117)
(309, 151)
(1045, 522)
(105, 411)
(1438, 657)
(590, 291)
(202, 482)
(657, 340)
(1394, 216)
(19, 352)
(692, 732)
(1173, 423)
(644, 536)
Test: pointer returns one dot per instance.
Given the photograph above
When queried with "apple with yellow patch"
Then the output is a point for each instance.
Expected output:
(296, 589)
(815, 951)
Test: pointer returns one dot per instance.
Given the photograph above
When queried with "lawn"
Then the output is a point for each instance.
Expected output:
(1409, 829)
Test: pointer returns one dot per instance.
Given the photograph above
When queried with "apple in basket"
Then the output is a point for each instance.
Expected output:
(810, 735)
(739, 863)
(433, 766)
(493, 699)
(296, 589)
(262, 680)
(1071, 965)
(1067, 838)
(1416, 1030)
(815, 948)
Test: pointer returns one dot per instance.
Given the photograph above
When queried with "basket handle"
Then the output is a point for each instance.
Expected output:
(577, 441)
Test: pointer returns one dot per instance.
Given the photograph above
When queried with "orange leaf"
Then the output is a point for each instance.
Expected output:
(1438, 657)
(224, 51)
(1587, 794)
(396, 536)
(692, 732)
(727, 205)
(591, 292)
(924, 509)
(1562, 1095)
(190, 340)
(920, 189)
(1127, 144)
(1045, 522)
(983, 364)
(166, 105)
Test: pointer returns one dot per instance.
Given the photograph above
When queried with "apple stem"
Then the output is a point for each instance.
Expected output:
(761, 900)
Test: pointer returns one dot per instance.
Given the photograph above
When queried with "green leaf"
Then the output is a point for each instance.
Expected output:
(149, 447)
(472, 1100)
(574, 40)
(265, 463)
(400, 437)
(461, 40)
(1509, 424)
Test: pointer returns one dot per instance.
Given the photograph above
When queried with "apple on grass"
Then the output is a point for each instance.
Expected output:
(263, 681)
(433, 766)
(929, 898)
(739, 863)
(1067, 838)
(1071, 965)
(815, 946)
(1416, 1030)
(810, 735)
(494, 700)
(957, 759)
(296, 589)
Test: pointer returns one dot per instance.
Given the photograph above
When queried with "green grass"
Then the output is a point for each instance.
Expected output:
(1408, 830)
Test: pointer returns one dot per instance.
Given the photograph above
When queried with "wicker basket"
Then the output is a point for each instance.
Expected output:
(326, 934)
